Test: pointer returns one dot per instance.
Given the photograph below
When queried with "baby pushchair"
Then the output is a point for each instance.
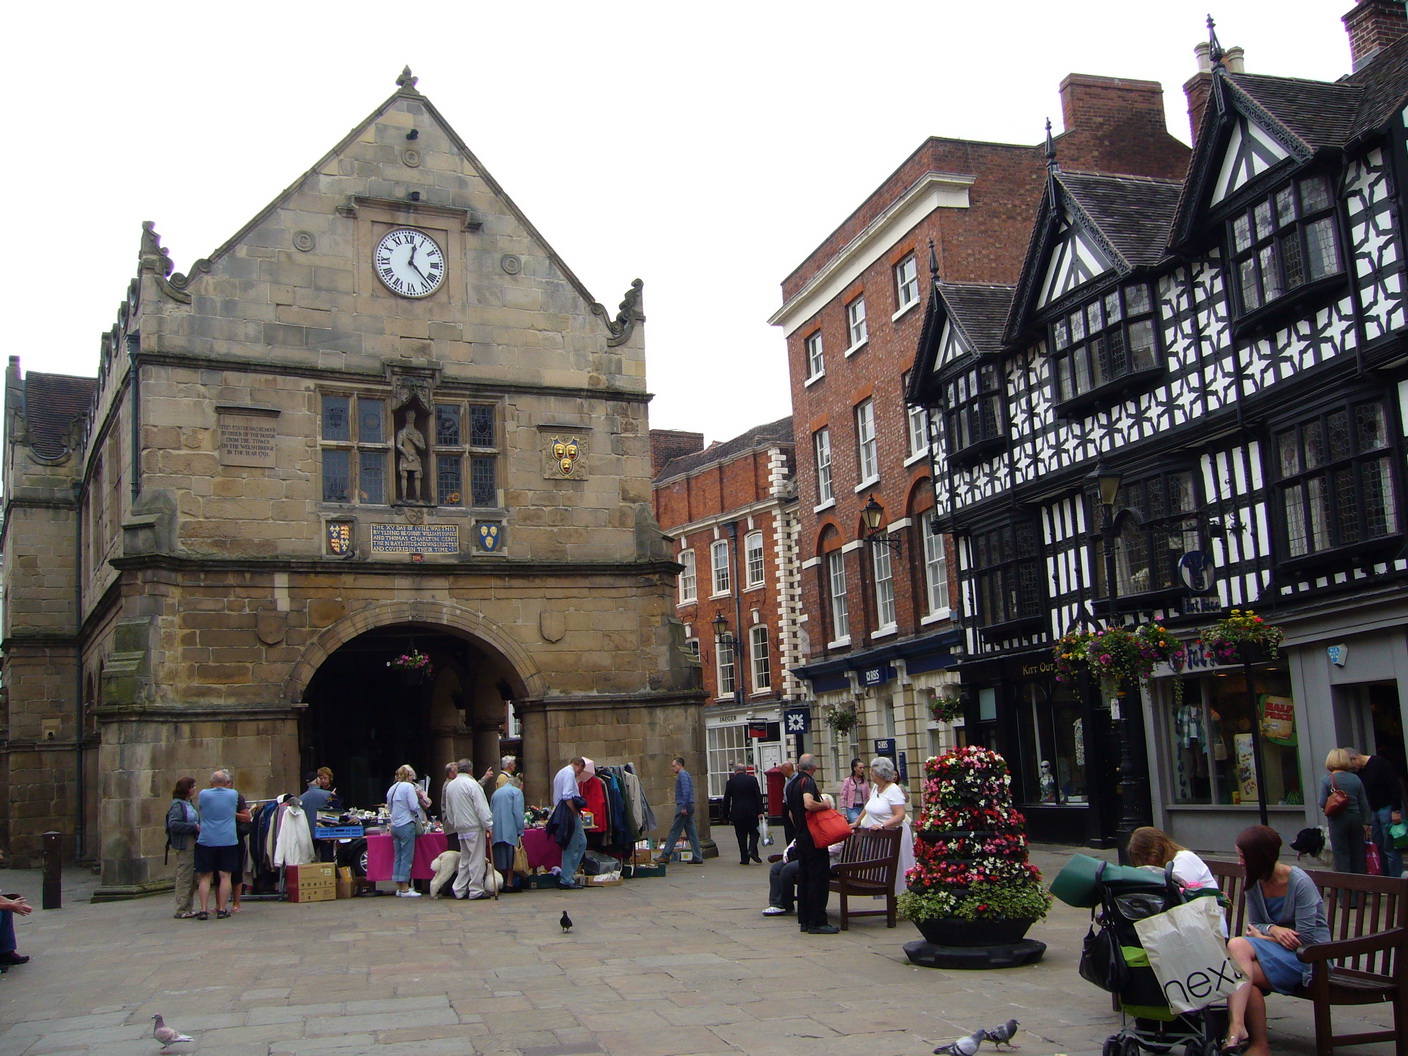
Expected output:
(1114, 960)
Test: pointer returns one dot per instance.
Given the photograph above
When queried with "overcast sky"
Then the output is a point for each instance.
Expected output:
(703, 148)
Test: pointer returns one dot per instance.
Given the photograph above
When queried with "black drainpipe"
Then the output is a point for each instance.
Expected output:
(134, 344)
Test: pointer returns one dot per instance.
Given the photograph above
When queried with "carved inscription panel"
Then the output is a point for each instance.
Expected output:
(247, 439)
(415, 539)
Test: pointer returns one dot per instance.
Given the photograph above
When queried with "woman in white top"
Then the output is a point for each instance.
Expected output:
(885, 809)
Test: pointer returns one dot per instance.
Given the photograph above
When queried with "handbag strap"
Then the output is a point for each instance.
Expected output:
(1333, 783)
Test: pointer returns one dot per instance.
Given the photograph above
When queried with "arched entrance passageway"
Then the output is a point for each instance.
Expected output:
(365, 717)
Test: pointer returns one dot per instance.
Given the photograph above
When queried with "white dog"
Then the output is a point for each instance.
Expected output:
(446, 865)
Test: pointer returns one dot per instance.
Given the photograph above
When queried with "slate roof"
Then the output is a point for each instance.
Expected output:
(778, 432)
(979, 311)
(1133, 213)
(1384, 82)
(1317, 113)
(51, 403)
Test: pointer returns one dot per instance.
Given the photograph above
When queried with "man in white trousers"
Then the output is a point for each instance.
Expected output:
(467, 813)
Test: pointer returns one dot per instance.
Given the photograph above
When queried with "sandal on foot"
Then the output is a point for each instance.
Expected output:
(1235, 1042)
(222, 914)
(202, 915)
(188, 915)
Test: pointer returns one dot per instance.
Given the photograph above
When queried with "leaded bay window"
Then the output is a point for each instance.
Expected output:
(354, 446)
(1335, 479)
(466, 438)
(973, 410)
(1006, 574)
(1157, 523)
(1284, 242)
(1106, 341)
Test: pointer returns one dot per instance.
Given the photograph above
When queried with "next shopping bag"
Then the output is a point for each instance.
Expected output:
(1188, 955)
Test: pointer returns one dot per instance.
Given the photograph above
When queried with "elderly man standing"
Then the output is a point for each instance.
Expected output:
(568, 797)
(684, 816)
(217, 846)
(467, 813)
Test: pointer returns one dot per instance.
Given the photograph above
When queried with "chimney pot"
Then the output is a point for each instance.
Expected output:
(1233, 58)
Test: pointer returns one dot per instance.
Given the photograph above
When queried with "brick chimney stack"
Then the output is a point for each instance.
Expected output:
(1373, 25)
(1199, 86)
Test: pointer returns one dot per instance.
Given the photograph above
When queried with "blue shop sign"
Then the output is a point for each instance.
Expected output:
(796, 720)
(877, 675)
(885, 746)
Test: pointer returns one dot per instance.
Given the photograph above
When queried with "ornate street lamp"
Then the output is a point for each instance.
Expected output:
(872, 513)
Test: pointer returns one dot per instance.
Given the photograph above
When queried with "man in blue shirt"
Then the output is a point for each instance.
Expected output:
(217, 844)
(564, 790)
(684, 816)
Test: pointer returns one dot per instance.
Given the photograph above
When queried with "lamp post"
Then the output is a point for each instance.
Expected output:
(872, 512)
(1134, 771)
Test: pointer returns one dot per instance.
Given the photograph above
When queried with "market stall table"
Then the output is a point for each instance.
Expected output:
(381, 855)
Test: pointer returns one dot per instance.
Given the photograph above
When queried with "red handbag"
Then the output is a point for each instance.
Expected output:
(1373, 860)
(1337, 802)
(827, 827)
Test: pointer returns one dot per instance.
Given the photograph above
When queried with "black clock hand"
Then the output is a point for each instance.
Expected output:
(412, 263)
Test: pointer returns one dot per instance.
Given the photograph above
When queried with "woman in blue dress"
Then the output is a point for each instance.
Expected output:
(1284, 913)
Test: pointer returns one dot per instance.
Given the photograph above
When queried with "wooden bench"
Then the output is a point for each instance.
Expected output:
(1364, 961)
(866, 868)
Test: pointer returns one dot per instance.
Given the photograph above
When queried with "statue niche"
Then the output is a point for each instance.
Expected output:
(412, 423)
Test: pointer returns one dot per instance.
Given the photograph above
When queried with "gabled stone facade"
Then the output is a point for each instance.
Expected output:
(289, 472)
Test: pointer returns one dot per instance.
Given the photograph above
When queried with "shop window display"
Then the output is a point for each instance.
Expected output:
(1056, 766)
(1211, 739)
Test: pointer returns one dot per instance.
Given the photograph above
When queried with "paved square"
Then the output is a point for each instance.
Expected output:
(657, 967)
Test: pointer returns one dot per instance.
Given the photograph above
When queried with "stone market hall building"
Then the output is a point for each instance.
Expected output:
(383, 419)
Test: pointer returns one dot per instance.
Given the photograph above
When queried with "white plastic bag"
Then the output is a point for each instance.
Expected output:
(1188, 955)
(765, 834)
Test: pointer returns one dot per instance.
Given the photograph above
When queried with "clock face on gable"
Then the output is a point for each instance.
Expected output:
(409, 263)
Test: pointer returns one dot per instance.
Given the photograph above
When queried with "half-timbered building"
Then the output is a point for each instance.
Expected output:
(1231, 348)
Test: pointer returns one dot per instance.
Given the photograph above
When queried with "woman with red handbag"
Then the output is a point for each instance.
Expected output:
(1346, 808)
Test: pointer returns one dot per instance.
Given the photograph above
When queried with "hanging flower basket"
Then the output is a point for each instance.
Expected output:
(946, 703)
(1242, 635)
(413, 667)
(842, 719)
(1117, 656)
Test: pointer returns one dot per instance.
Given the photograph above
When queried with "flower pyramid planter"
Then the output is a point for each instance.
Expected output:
(972, 890)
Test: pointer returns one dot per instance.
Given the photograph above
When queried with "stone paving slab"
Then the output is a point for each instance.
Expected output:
(683, 965)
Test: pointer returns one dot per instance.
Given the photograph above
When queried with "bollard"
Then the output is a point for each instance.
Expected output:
(53, 870)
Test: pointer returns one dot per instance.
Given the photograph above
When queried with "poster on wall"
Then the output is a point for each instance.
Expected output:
(1246, 767)
(1278, 719)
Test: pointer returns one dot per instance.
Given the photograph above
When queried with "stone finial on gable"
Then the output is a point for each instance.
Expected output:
(406, 80)
(153, 256)
(626, 318)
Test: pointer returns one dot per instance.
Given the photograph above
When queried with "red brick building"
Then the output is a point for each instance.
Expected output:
(876, 631)
(731, 510)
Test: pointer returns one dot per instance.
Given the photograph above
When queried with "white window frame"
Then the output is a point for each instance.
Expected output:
(725, 669)
(760, 658)
(856, 330)
(935, 566)
(840, 610)
(753, 558)
(884, 574)
(906, 284)
(867, 452)
(718, 563)
(821, 445)
(816, 357)
(692, 645)
(689, 578)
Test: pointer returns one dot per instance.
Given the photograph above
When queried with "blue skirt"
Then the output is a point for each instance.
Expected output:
(1284, 970)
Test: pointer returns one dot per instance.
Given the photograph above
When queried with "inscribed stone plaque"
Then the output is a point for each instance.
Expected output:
(415, 539)
(247, 440)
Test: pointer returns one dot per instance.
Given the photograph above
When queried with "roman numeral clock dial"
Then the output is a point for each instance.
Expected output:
(409, 263)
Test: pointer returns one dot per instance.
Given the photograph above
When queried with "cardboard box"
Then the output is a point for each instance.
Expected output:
(313, 892)
(346, 888)
(637, 872)
(605, 880)
(317, 872)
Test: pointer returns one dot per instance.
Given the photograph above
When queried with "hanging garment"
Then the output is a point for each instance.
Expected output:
(295, 846)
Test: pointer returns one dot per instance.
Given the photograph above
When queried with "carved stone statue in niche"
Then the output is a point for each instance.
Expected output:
(410, 455)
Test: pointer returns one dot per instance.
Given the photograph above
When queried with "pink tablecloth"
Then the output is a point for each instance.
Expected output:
(543, 852)
(381, 855)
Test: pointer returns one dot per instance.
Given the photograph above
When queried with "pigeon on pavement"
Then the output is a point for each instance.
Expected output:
(963, 1046)
(166, 1035)
(565, 921)
(1001, 1034)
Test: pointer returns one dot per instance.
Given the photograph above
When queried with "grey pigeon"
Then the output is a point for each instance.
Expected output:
(963, 1046)
(1003, 1033)
(166, 1035)
(565, 921)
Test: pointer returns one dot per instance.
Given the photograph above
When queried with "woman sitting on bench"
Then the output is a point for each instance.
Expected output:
(885, 809)
(1284, 913)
